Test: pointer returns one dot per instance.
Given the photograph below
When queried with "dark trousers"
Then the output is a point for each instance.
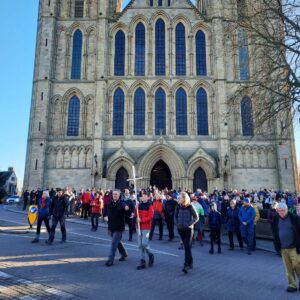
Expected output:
(129, 222)
(160, 226)
(170, 226)
(239, 237)
(25, 204)
(85, 210)
(94, 220)
(254, 238)
(62, 228)
(39, 224)
(215, 236)
(186, 236)
(116, 243)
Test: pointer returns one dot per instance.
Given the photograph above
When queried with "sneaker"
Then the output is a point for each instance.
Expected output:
(291, 289)
(49, 242)
(185, 269)
(151, 260)
(123, 257)
(109, 263)
(35, 241)
(142, 265)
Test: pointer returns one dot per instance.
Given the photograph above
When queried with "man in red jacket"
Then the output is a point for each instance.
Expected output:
(145, 216)
(86, 200)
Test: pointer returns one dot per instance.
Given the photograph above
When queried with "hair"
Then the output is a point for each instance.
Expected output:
(281, 205)
(117, 191)
(46, 193)
(185, 199)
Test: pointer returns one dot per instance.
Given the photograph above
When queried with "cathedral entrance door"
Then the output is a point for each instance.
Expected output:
(200, 180)
(161, 176)
(121, 179)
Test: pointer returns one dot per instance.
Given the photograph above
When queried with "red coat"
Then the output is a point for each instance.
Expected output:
(145, 214)
(86, 198)
(96, 206)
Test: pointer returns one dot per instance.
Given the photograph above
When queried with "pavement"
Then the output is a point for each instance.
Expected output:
(76, 269)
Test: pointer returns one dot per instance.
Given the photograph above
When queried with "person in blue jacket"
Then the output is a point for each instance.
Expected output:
(43, 214)
(247, 216)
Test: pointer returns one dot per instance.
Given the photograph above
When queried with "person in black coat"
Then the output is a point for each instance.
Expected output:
(116, 225)
(215, 223)
(129, 215)
(287, 240)
(169, 209)
(233, 224)
(58, 210)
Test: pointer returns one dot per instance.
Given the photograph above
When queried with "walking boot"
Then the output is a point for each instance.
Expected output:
(142, 265)
(37, 239)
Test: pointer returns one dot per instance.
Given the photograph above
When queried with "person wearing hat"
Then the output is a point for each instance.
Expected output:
(287, 241)
(58, 210)
(247, 216)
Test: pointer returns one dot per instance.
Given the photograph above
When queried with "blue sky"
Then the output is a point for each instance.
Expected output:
(18, 23)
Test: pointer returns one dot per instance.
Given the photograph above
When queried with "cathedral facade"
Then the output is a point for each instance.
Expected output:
(146, 86)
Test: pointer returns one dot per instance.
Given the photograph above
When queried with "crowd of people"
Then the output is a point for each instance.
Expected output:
(235, 212)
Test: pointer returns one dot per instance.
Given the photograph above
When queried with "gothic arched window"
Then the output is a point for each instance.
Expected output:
(160, 112)
(79, 8)
(181, 112)
(118, 115)
(76, 55)
(139, 112)
(151, 2)
(160, 55)
(73, 117)
(140, 50)
(120, 53)
(202, 113)
(247, 117)
(200, 53)
(243, 55)
(159, 2)
(180, 50)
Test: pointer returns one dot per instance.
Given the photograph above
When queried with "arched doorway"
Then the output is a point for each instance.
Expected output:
(161, 176)
(121, 179)
(200, 180)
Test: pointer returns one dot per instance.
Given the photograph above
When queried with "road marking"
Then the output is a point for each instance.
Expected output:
(27, 298)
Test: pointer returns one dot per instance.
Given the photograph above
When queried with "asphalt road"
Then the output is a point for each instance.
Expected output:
(76, 270)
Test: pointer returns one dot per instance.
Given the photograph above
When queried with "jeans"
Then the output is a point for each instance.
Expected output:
(144, 244)
(186, 236)
(247, 232)
(62, 228)
(239, 237)
(116, 243)
(160, 226)
(94, 220)
(39, 224)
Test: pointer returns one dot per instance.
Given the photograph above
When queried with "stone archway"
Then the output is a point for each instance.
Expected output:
(161, 176)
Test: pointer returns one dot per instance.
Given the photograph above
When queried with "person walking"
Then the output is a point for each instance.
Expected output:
(287, 237)
(58, 210)
(44, 204)
(144, 218)
(198, 226)
(185, 218)
(116, 225)
(86, 200)
(233, 225)
(247, 216)
(25, 199)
